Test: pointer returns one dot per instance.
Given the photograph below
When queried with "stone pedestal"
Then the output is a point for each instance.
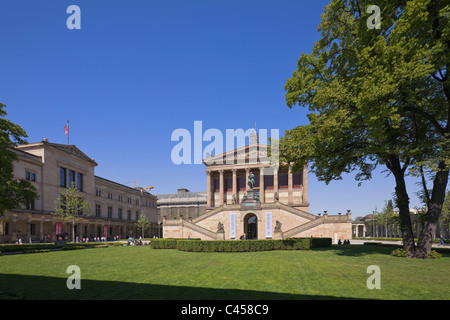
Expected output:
(277, 235)
(251, 200)
(220, 235)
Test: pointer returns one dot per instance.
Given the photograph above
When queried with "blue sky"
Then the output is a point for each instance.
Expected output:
(138, 70)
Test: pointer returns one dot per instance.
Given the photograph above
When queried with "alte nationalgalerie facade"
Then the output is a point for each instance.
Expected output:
(278, 207)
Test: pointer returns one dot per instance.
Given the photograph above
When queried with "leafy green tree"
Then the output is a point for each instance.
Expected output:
(13, 192)
(377, 97)
(72, 207)
(386, 216)
(142, 223)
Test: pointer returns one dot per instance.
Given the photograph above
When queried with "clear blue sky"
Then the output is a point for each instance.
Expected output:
(138, 70)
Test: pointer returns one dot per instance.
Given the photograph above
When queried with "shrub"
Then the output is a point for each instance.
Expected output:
(36, 251)
(243, 246)
(163, 243)
(26, 246)
(100, 246)
(435, 255)
(72, 247)
(399, 252)
(321, 242)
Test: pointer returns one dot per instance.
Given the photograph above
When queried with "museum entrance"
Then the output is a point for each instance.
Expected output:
(251, 226)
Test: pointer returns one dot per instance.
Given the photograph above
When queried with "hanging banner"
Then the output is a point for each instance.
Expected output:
(268, 224)
(105, 232)
(232, 225)
(58, 228)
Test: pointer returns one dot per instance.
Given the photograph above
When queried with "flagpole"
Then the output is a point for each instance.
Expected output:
(68, 130)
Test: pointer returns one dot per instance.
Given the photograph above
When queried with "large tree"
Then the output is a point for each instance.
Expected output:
(13, 192)
(377, 96)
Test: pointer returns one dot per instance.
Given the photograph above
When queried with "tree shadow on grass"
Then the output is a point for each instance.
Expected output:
(359, 250)
(356, 250)
(24, 287)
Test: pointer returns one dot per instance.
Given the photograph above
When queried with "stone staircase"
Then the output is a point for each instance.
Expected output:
(303, 227)
(199, 229)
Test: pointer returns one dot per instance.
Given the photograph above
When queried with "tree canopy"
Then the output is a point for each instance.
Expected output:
(13, 192)
(377, 97)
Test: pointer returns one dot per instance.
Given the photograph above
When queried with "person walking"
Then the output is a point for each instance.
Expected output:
(441, 240)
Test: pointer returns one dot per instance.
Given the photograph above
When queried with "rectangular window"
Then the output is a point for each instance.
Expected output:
(62, 177)
(282, 180)
(268, 181)
(98, 210)
(129, 215)
(110, 212)
(28, 175)
(71, 178)
(98, 193)
(297, 179)
(79, 181)
(110, 195)
(119, 214)
(120, 198)
(30, 206)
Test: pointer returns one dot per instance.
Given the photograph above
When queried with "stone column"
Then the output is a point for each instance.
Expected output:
(41, 231)
(305, 183)
(262, 197)
(221, 188)
(208, 189)
(28, 231)
(235, 193)
(290, 185)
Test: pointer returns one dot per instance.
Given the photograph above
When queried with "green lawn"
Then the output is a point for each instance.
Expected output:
(144, 273)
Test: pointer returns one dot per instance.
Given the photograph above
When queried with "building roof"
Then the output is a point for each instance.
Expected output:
(70, 149)
(184, 196)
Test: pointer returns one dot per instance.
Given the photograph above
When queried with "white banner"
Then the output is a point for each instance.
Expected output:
(232, 225)
(268, 224)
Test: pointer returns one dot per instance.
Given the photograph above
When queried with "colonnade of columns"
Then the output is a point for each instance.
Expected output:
(211, 172)
(45, 229)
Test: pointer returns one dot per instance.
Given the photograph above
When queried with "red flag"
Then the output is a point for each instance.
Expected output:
(66, 129)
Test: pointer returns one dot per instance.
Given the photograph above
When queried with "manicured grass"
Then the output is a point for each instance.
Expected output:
(140, 272)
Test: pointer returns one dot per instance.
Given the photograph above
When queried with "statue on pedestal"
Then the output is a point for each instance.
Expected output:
(251, 180)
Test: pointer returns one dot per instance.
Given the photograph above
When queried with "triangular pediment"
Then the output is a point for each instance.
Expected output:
(73, 150)
(253, 153)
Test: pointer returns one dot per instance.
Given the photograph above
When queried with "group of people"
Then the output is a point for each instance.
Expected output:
(346, 241)
(135, 242)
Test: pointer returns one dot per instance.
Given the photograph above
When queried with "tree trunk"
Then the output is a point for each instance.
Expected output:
(403, 205)
(434, 211)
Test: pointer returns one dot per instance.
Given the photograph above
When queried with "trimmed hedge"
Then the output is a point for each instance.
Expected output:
(163, 243)
(321, 242)
(240, 246)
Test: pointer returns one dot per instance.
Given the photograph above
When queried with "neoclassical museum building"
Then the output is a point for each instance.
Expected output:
(52, 168)
(248, 198)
